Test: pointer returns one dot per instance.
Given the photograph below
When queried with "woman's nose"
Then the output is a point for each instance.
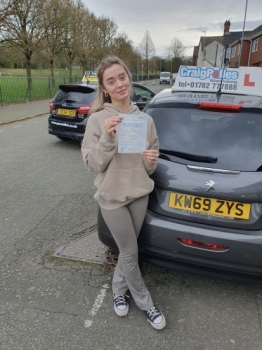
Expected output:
(119, 82)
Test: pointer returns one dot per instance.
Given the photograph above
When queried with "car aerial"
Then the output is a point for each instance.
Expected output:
(70, 107)
(205, 212)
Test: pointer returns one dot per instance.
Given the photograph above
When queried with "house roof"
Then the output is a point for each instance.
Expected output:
(248, 35)
(232, 37)
(206, 40)
(255, 32)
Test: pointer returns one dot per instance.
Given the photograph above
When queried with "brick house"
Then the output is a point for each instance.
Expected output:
(251, 52)
(215, 51)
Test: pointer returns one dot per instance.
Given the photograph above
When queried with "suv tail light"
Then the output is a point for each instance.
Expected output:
(51, 106)
(82, 111)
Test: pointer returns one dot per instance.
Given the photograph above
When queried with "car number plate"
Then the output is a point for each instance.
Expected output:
(67, 112)
(210, 206)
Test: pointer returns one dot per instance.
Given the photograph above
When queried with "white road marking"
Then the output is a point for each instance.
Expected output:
(97, 304)
(18, 126)
(88, 323)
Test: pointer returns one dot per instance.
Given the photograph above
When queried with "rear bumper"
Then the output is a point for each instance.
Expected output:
(69, 135)
(160, 237)
(159, 241)
(70, 130)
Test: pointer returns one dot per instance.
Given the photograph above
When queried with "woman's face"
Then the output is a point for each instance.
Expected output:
(117, 84)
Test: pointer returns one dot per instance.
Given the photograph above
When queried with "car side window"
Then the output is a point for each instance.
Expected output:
(142, 94)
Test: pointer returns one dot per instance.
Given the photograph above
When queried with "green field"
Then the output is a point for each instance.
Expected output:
(14, 84)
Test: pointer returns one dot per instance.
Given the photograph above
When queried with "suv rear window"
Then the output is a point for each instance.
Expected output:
(75, 94)
(233, 139)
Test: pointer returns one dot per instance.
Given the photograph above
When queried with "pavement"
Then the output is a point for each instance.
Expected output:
(21, 111)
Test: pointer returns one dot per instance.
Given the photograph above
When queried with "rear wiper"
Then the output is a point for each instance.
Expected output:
(70, 100)
(190, 156)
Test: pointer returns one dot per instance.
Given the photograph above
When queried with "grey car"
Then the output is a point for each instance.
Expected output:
(205, 212)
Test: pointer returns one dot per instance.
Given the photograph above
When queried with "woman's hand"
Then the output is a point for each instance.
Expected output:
(151, 155)
(111, 123)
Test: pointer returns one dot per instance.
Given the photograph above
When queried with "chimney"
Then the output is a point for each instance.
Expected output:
(227, 26)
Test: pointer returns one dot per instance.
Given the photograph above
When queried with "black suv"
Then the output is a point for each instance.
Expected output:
(70, 107)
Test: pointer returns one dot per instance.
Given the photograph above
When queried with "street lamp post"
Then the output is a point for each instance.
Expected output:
(203, 45)
(137, 74)
(242, 34)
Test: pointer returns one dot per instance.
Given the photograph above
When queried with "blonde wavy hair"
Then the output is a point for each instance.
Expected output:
(101, 97)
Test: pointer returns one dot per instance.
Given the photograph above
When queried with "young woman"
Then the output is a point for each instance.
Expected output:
(123, 182)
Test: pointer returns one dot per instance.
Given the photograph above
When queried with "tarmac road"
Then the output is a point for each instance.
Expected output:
(50, 303)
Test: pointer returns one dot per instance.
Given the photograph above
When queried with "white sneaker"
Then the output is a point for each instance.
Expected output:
(121, 305)
(155, 318)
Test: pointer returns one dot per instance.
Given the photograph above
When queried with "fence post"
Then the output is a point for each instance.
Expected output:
(1, 97)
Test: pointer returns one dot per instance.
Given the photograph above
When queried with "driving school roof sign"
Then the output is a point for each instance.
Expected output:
(243, 80)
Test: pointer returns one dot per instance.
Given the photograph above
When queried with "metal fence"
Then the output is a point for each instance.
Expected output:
(15, 89)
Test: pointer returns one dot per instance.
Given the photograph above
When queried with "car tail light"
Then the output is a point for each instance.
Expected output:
(207, 246)
(51, 106)
(82, 111)
(213, 105)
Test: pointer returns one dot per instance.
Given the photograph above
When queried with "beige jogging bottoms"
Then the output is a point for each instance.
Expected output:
(125, 224)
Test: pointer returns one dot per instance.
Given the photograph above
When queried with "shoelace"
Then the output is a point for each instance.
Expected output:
(121, 299)
(153, 312)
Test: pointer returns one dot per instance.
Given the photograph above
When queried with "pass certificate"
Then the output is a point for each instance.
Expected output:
(132, 132)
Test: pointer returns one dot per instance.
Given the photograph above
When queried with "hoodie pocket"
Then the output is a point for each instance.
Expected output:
(127, 184)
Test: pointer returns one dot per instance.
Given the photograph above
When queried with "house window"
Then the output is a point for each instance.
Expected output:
(233, 51)
(239, 47)
(255, 45)
(228, 53)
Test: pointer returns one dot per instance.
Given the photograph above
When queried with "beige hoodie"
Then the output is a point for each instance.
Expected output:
(121, 178)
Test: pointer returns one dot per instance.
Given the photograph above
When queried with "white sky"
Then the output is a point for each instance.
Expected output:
(183, 19)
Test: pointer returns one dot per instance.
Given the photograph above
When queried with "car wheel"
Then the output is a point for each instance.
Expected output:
(63, 138)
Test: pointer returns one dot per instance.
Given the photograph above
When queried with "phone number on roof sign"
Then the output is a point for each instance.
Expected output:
(201, 85)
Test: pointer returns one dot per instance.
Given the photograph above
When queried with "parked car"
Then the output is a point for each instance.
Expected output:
(165, 77)
(90, 78)
(70, 107)
(205, 212)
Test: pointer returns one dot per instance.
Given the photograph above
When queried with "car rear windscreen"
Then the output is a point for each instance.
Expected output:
(234, 139)
(77, 96)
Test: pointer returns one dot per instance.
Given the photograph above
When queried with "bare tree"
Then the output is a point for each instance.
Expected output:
(123, 48)
(73, 26)
(59, 30)
(22, 29)
(175, 53)
(53, 27)
(5, 11)
(147, 49)
(106, 32)
(87, 46)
